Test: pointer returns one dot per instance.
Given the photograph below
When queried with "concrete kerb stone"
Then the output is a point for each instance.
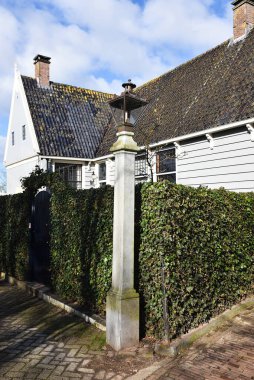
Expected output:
(147, 372)
(185, 341)
(43, 292)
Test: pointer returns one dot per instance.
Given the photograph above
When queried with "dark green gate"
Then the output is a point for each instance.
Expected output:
(40, 238)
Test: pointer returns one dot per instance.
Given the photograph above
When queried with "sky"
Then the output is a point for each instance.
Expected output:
(99, 44)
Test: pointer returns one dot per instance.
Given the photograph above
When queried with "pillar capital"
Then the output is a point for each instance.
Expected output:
(124, 141)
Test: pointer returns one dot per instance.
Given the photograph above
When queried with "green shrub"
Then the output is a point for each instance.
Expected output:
(193, 248)
(81, 245)
(14, 232)
(196, 254)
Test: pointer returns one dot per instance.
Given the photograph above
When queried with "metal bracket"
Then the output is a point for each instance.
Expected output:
(251, 131)
(211, 140)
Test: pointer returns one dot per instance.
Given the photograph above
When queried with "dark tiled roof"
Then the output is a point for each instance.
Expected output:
(69, 121)
(214, 89)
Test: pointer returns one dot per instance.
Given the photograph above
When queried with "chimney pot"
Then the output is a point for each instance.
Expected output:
(243, 17)
(42, 63)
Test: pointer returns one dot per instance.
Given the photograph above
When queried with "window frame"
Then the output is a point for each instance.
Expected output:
(24, 132)
(66, 168)
(143, 176)
(161, 174)
(12, 138)
(102, 182)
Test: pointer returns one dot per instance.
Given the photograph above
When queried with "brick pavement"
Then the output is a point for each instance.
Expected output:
(39, 341)
(225, 354)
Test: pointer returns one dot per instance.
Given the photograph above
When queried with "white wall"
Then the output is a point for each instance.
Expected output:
(87, 171)
(230, 164)
(110, 165)
(18, 171)
(19, 116)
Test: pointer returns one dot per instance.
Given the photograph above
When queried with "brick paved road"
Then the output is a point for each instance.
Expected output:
(227, 354)
(38, 341)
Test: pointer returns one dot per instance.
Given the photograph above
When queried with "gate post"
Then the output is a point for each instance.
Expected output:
(122, 316)
(122, 310)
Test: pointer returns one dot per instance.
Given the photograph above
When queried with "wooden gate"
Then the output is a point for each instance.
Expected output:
(40, 238)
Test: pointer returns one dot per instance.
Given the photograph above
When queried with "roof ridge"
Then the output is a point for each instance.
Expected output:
(77, 87)
(199, 56)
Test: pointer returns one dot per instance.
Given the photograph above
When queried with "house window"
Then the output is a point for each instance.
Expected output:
(23, 132)
(12, 138)
(166, 165)
(102, 174)
(141, 167)
(71, 174)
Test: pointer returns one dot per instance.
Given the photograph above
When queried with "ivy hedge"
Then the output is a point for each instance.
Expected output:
(81, 245)
(194, 249)
(14, 233)
(196, 254)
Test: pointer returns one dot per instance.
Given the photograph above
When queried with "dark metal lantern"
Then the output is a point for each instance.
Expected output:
(127, 102)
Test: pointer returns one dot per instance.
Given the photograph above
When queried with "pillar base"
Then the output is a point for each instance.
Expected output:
(122, 319)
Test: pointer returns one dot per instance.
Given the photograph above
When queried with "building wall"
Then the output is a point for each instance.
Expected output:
(87, 180)
(110, 164)
(18, 171)
(19, 117)
(230, 164)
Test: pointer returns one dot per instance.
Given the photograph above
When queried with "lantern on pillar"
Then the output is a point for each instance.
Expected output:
(125, 105)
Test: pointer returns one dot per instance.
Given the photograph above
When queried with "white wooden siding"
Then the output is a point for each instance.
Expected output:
(230, 164)
(87, 181)
(16, 172)
(110, 172)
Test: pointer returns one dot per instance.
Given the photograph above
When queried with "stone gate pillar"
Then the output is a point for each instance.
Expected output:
(122, 319)
(123, 301)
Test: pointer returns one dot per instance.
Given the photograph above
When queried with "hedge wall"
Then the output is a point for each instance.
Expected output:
(194, 249)
(81, 245)
(14, 232)
(196, 254)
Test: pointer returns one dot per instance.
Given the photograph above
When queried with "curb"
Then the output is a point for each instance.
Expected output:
(222, 320)
(149, 371)
(43, 292)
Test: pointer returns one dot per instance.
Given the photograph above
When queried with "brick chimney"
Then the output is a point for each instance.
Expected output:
(243, 17)
(42, 63)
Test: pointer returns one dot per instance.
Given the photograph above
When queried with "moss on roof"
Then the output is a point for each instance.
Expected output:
(69, 121)
(213, 89)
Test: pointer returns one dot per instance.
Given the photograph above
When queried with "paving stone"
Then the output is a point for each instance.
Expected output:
(72, 375)
(71, 367)
(86, 362)
(45, 374)
(31, 352)
(100, 375)
(86, 370)
(110, 375)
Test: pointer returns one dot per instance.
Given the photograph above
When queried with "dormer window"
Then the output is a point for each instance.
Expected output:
(23, 132)
(12, 139)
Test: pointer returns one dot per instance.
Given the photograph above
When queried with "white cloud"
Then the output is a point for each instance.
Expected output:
(189, 25)
(2, 145)
(100, 43)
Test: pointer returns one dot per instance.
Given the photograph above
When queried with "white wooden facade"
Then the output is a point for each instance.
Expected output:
(230, 164)
(217, 157)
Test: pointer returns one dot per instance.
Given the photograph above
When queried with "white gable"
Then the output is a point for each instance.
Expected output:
(21, 142)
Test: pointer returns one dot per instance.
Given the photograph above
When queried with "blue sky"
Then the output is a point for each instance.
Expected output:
(99, 44)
